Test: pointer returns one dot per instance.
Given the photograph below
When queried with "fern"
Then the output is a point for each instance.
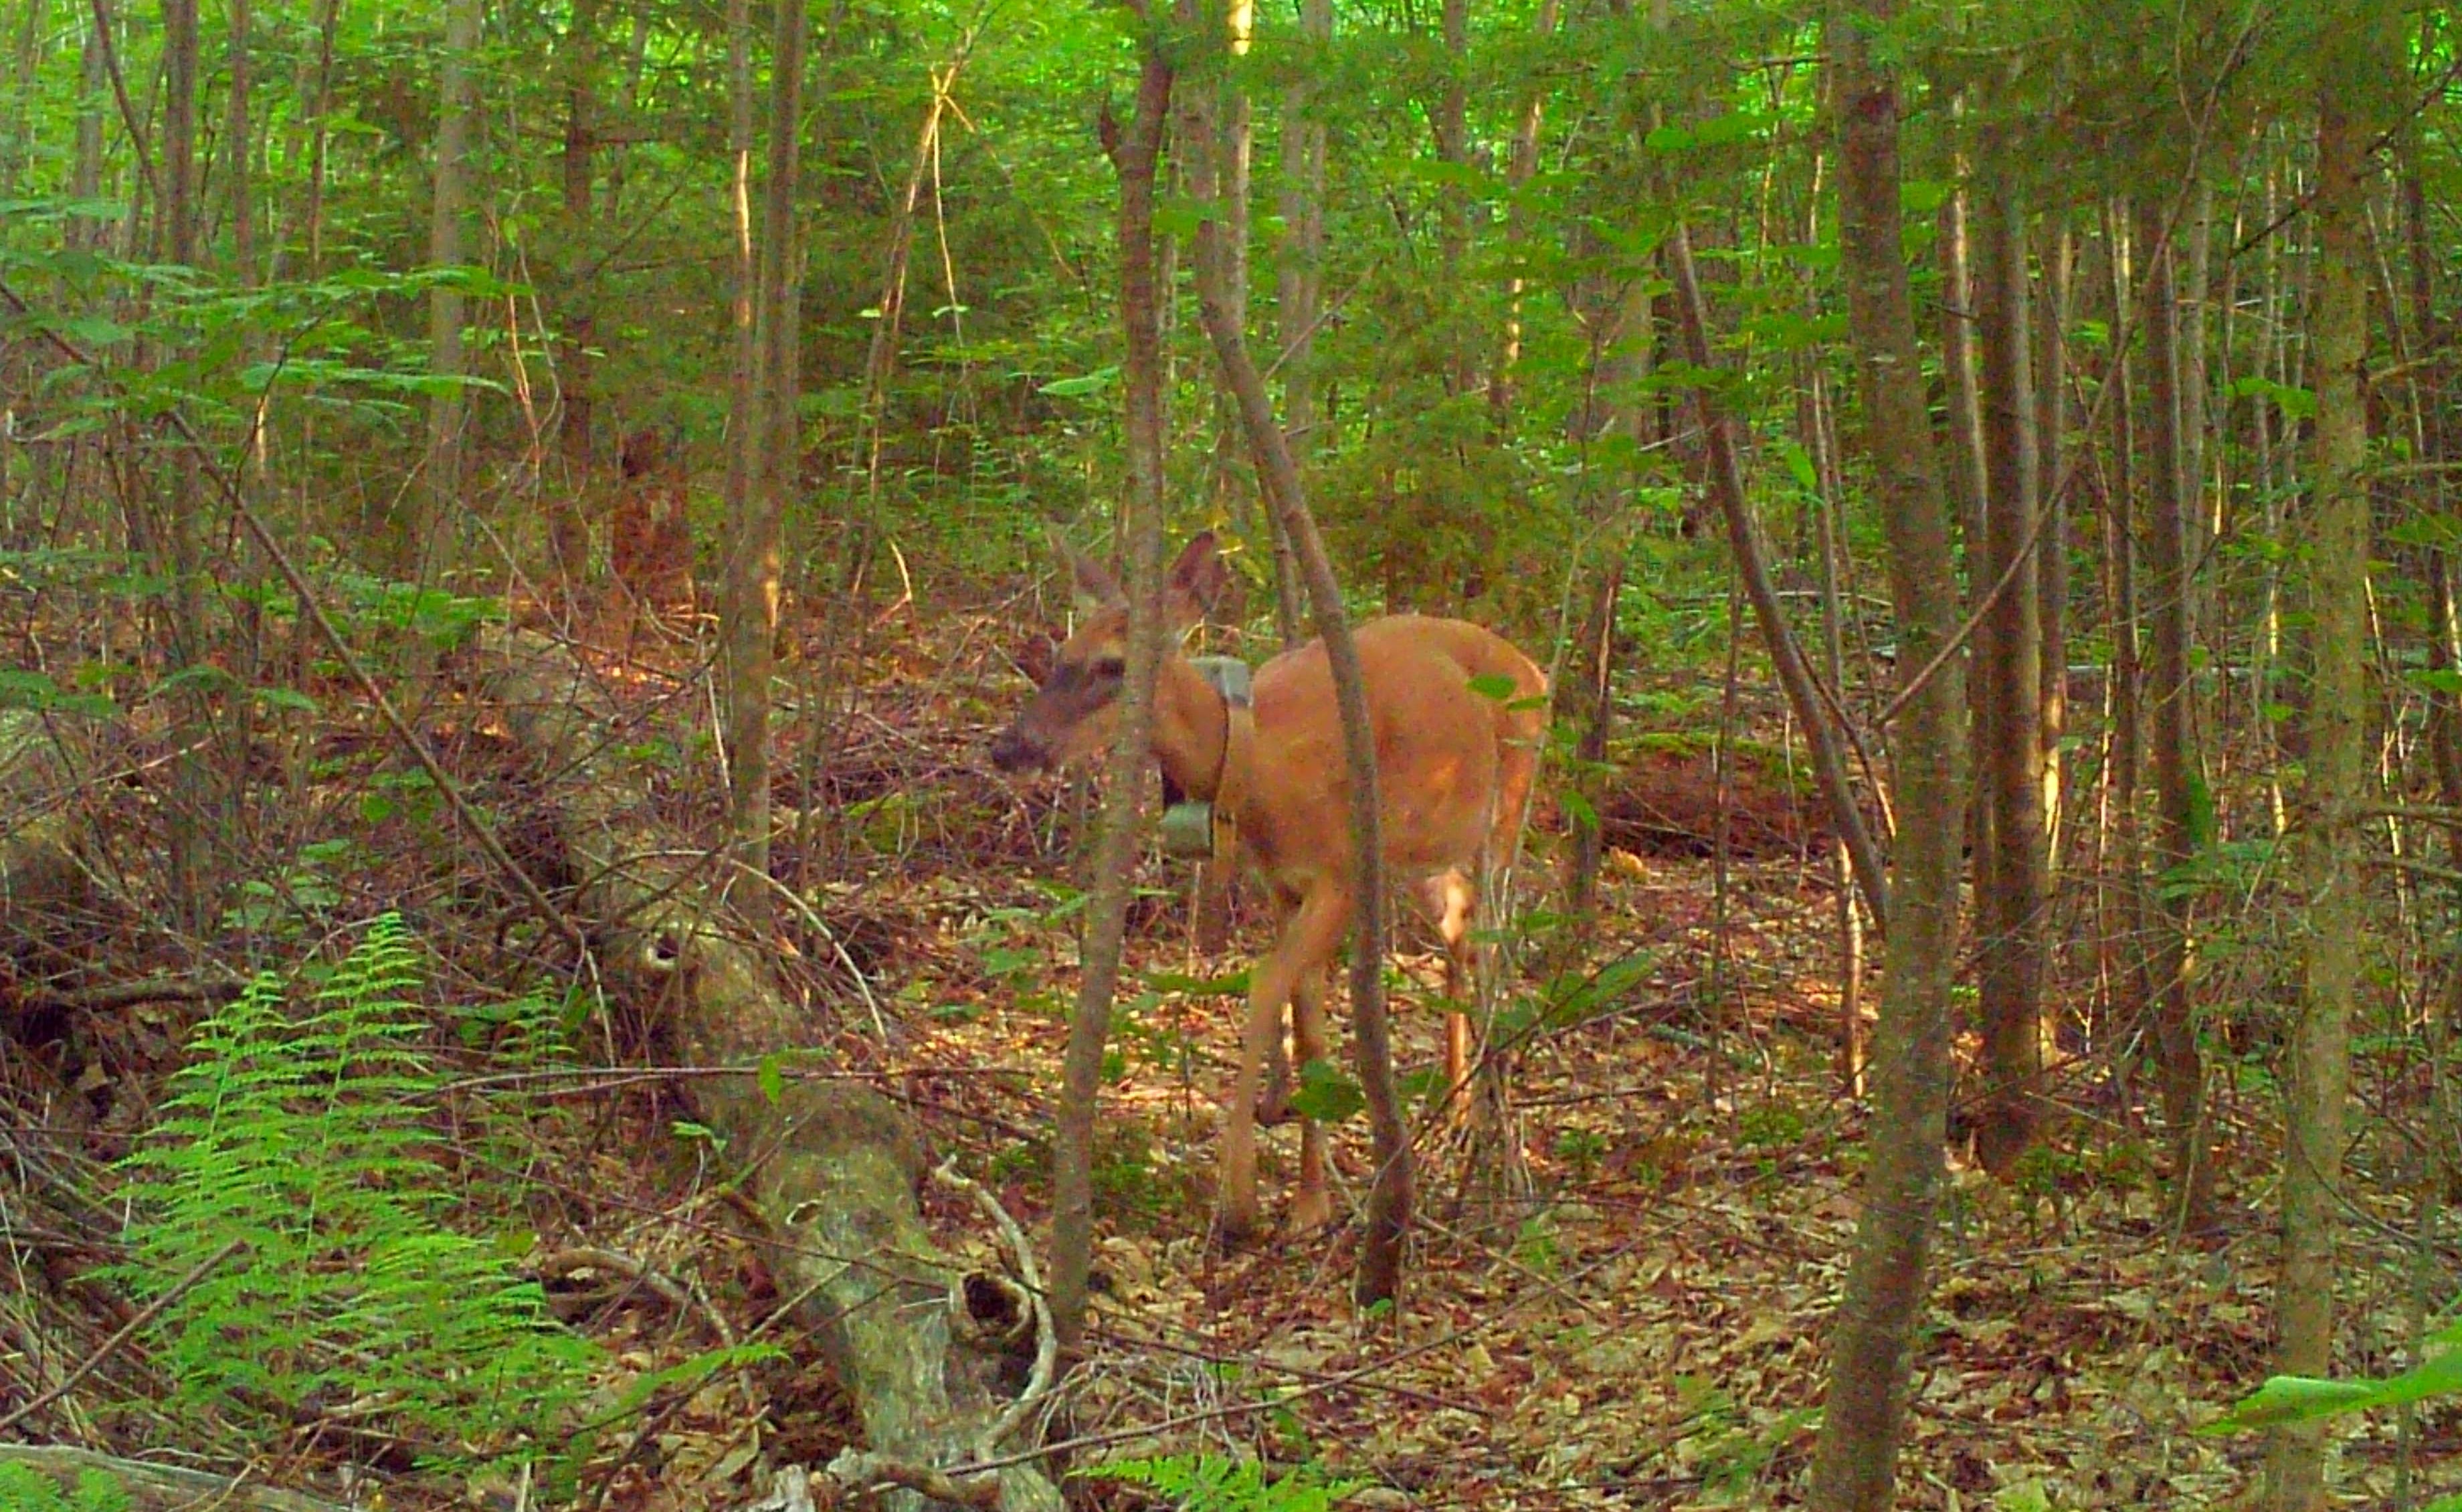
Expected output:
(26, 1489)
(1203, 1482)
(301, 1137)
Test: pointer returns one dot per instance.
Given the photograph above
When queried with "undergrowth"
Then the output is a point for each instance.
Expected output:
(302, 1138)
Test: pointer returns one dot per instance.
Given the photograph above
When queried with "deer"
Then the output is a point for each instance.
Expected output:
(1458, 713)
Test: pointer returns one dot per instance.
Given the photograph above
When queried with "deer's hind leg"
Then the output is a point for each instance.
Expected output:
(1454, 901)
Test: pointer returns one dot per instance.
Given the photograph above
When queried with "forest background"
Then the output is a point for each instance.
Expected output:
(1974, 474)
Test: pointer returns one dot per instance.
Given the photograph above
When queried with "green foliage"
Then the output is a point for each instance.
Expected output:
(301, 1137)
(1326, 1094)
(26, 1489)
(1203, 1482)
(2300, 1399)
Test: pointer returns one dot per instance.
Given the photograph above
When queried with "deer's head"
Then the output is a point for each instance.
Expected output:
(1072, 714)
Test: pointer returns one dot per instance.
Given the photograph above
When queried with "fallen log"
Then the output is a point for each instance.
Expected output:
(156, 1488)
(834, 1165)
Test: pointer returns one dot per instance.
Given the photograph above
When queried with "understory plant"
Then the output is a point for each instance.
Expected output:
(291, 1212)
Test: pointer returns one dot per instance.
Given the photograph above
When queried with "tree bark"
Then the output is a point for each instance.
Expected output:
(2179, 1065)
(2132, 974)
(833, 1166)
(1299, 293)
(196, 809)
(567, 526)
(240, 183)
(743, 350)
(752, 568)
(1379, 1277)
(1872, 1341)
(423, 546)
(2361, 55)
(2013, 895)
(1116, 846)
(2052, 550)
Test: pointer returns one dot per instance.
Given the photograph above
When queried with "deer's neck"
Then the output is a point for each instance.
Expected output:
(1192, 728)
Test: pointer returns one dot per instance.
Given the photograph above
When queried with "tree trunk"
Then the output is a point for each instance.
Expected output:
(1587, 703)
(567, 523)
(1819, 423)
(19, 147)
(422, 541)
(2180, 1067)
(2132, 974)
(752, 570)
(1965, 473)
(1794, 675)
(2014, 894)
(1872, 1340)
(1300, 290)
(195, 809)
(2361, 54)
(832, 1166)
(86, 230)
(1518, 169)
(1115, 847)
(237, 134)
(1379, 1277)
(2052, 551)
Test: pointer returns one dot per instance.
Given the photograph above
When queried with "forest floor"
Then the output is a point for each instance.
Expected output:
(1647, 1328)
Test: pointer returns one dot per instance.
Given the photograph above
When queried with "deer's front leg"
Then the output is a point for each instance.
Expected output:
(1309, 937)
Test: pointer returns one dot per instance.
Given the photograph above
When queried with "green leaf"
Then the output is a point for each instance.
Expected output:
(284, 698)
(1494, 685)
(1091, 383)
(772, 1080)
(1326, 1094)
(21, 688)
(2293, 1399)
(1799, 466)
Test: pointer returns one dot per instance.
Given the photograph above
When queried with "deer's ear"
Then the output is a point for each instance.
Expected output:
(1095, 586)
(1196, 581)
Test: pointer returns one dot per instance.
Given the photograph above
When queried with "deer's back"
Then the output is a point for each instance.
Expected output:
(1451, 757)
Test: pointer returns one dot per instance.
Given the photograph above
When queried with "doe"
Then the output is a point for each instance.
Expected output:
(1458, 715)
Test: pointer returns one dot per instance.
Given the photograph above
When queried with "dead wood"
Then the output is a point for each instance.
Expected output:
(833, 1166)
(158, 1489)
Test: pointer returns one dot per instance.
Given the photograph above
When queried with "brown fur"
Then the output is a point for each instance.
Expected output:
(1455, 773)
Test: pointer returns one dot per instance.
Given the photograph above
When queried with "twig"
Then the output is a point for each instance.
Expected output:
(129, 994)
(879, 1020)
(1047, 1347)
(153, 1309)
(313, 608)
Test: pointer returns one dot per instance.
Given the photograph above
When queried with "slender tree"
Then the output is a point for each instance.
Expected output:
(1379, 1276)
(2358, 52)
(2180, 1066)
(421, 544)
(753, 571)
(567, 527)
(1299, 293)
(195, 783)
(1135, 154)
(1872, 1341)
(2013, 890)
